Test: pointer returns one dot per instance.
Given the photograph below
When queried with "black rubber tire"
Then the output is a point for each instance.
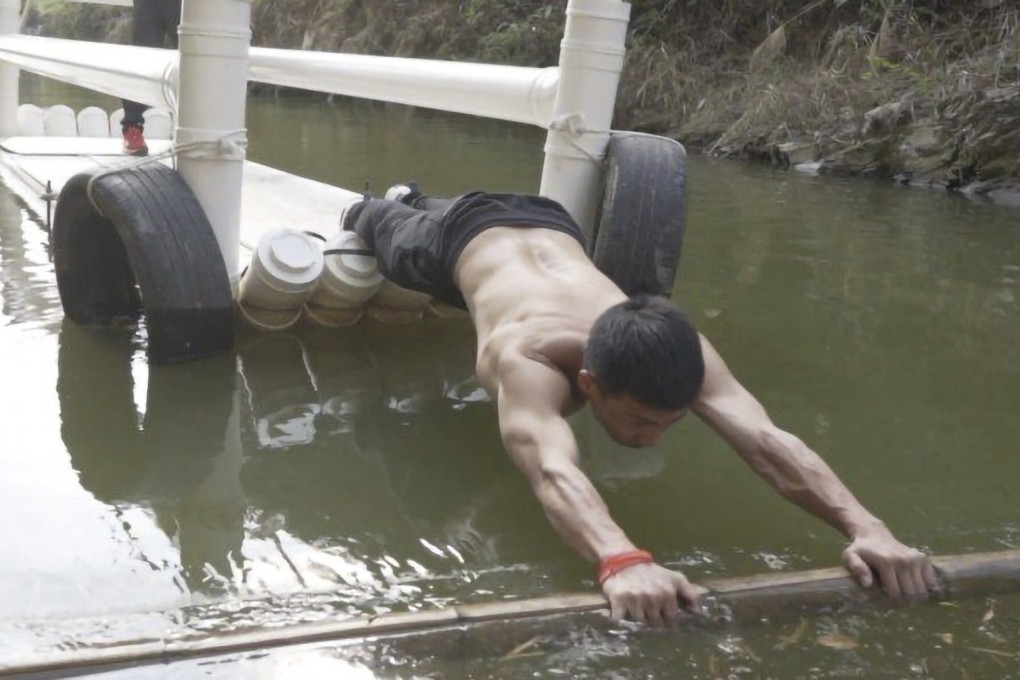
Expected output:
(639, 229)
(143, 242)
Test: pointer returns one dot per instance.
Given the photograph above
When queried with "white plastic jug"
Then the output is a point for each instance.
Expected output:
(347, 280)
(283, 272)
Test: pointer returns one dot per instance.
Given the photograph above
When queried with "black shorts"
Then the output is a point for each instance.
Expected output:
(418, 249)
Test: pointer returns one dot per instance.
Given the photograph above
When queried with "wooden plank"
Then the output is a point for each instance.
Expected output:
(745, 599)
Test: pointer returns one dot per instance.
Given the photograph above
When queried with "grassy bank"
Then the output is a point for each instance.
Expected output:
(925, 91)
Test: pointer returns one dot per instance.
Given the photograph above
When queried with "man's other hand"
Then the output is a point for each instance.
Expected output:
(902, 570)
(651, 594)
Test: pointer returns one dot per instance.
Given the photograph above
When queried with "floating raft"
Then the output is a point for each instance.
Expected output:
(742, 600)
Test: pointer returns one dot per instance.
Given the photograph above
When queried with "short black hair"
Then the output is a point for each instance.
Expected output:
(648, 349)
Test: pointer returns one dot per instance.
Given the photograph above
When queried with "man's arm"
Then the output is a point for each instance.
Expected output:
(532, 397)
(801, 476)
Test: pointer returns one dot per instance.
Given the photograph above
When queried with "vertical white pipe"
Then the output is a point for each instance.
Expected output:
(214, 40)
(10, 22)
(591, 59)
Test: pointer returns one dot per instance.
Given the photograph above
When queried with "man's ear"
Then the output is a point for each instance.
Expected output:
(586, 382)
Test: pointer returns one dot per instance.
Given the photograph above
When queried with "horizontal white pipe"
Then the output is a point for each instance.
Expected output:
(514, 93)
(142, 74)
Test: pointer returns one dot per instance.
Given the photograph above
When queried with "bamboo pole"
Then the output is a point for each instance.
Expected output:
(742, 599)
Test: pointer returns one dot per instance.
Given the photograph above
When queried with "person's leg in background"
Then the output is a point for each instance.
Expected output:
(154, 23)
(170, 16)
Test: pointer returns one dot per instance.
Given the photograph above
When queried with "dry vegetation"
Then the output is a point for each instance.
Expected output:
(807, 59)
(842, 79)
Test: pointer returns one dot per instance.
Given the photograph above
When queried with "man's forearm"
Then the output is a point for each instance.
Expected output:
(578, 513)
(801, 476)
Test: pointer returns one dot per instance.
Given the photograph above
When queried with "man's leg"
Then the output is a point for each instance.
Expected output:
(146, 31)
(170, 20)
(134, 114)
(410, 194)
(405, 241)
(149, 22)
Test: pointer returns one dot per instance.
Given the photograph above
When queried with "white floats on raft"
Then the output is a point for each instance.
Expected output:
(62, 121)
(284, 270)
(328, 282)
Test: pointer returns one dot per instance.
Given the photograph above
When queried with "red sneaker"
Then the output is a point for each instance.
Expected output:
(134, 141)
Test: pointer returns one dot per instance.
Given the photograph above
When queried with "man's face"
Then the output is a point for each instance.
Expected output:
(628, 421)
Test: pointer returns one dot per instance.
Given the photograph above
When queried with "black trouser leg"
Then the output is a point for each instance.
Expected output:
(431, 203)
(153, 24)
(408, 247)
(400, 236)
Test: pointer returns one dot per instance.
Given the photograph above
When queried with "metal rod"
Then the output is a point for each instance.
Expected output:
(746, 599)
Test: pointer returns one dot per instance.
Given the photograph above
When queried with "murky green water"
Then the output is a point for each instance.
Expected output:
(316, 474)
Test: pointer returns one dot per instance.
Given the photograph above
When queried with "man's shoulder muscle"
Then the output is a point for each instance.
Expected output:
(533, 375)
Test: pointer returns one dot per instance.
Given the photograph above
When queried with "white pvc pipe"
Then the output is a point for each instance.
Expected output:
(514, 93)
(591, 59)
(10, 23)
(142, 74)
(214, 40)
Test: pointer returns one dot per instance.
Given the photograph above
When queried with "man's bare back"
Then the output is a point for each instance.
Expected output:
(532, 292)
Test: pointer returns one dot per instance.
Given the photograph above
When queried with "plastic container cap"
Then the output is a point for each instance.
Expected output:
(291, 260)
(283, 271)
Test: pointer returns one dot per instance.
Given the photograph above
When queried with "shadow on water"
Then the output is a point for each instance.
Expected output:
(178, 459)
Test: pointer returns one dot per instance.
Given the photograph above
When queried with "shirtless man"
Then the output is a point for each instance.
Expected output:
(554, 332)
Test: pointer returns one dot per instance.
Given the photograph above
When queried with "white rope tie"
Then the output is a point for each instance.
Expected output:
(232, 147)
(574, 126)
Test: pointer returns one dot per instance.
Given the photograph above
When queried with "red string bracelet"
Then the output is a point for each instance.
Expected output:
(614, 564)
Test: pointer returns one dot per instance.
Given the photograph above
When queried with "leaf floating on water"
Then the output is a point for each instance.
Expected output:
(945, 637)
(519, 649)
(744, 649)
(838, 641)
(995, 652)
(794, 637)
(712, 313)
(995, 637)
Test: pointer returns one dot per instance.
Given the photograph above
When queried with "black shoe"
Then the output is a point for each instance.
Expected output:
(406, 193)
(350, 210)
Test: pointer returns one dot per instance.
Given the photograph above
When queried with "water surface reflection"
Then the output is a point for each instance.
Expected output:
(330, 466)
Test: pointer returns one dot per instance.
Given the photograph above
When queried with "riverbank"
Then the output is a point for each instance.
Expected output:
(907, 92)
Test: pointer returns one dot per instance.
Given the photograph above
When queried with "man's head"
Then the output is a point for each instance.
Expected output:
(642, 369)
